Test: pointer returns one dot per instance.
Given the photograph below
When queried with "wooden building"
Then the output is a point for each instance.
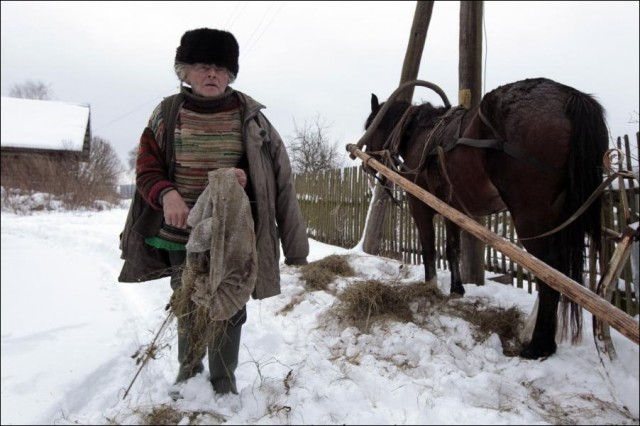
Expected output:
(39, 137)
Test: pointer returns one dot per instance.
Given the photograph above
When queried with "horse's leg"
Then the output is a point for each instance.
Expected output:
(543, 338)
(423, 218)
(453, 257)
(535, 201)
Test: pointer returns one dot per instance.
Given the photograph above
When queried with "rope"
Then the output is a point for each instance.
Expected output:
(443, 169)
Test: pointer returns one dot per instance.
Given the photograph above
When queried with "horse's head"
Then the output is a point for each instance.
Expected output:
(390, 115)
(377, 139)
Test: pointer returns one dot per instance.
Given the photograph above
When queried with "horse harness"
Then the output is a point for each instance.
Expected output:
(441, 139)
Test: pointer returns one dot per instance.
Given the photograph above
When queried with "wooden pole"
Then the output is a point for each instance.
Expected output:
(599, 307)
(410, 67)
(415, 47)
(469, 96)
(470, 54)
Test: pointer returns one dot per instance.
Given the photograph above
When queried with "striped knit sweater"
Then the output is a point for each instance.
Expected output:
(207, 137)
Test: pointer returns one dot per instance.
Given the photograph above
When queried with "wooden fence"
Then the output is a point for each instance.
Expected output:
(335, 204)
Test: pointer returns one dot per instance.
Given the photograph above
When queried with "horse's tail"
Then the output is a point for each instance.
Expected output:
(589, 142)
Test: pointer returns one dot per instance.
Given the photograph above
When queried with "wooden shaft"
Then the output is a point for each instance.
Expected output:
(598, 306)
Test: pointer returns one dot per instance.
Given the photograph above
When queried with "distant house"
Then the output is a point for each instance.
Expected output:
(51, 128)
(36, 130)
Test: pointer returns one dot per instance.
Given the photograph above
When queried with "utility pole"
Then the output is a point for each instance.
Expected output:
(469, 96)
(410, 67)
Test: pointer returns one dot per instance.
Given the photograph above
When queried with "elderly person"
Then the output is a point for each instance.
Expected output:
(211, 127)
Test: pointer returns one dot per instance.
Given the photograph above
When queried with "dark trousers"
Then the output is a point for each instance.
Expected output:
(223, 347)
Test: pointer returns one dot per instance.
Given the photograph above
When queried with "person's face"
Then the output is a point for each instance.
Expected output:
(207, 80)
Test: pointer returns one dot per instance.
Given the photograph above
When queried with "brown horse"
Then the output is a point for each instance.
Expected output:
(533, 147)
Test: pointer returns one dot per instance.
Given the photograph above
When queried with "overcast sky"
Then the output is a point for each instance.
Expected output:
(308, 60)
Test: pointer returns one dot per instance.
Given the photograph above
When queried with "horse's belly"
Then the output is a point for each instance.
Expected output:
(473, 191)
(478, 199)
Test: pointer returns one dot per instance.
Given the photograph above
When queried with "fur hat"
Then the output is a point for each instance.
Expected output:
(208, 46)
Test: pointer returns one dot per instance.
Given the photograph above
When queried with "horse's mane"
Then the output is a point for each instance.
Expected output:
(425, 117)
(391, 118)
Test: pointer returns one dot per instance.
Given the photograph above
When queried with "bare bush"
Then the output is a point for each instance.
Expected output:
(37, 173)
(132, 156)
(68, 182)
(98, 179)
(311, 150)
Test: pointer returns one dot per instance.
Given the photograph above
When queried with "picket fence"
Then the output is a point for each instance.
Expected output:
(335, 204)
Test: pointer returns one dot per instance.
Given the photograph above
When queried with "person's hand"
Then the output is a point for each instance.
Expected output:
(175, 209)
(241, 176)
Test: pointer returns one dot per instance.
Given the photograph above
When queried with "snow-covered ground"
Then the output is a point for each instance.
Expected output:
(69, 331)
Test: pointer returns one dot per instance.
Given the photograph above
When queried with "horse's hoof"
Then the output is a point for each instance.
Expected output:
(457, 290)
(538, 351)
(432, 282)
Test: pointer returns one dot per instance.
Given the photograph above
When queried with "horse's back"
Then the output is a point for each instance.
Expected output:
(516, 109)
(534, 91)
(557, 136)
(528, 115)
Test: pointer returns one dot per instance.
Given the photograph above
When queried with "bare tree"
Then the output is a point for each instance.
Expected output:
(31, 90)
(310, 149)
(131, 157)
(104, 166)
(98, 178)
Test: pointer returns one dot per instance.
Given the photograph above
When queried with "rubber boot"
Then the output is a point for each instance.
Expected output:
(223, 355)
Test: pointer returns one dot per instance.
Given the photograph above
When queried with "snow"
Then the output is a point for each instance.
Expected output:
(69, 331)
(61, 125)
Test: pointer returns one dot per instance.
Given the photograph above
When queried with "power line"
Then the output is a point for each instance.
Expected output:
(248, 49)
(156, 99)
(233, 17)
(257, 27)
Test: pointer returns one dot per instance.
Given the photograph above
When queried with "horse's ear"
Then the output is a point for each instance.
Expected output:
(374, 103)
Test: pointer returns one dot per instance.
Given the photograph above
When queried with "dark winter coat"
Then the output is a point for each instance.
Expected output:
(277, 214)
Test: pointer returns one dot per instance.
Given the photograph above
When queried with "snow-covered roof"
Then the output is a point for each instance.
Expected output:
(39, 124)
